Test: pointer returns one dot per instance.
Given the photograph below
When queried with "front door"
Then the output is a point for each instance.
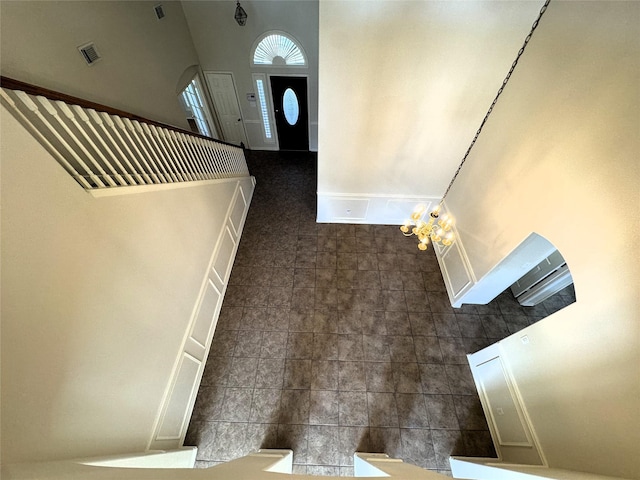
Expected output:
(291, 112)
(225, 101)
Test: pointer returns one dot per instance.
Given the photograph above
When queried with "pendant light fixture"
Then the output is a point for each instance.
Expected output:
(240, 15)
(437, 229)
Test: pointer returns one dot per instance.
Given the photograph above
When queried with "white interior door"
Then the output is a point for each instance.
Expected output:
(225, 101)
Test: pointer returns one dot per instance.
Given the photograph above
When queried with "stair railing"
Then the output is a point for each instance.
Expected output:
(102, 147)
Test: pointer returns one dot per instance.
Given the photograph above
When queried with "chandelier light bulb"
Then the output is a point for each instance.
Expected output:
(436, 229)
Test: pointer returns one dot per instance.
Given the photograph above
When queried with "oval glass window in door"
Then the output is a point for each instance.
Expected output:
(290, 106)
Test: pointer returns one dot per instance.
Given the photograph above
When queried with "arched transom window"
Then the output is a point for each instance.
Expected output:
(278, 49)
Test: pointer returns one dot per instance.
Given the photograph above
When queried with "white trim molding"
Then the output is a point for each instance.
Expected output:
(369, 208)
(174, 413)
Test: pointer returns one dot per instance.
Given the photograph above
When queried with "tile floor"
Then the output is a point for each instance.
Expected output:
(341, 338)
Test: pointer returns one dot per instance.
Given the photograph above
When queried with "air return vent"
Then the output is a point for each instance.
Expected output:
(89, 53)
(159, 11)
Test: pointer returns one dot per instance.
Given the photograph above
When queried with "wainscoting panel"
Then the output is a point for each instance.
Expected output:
(368, 208)
(455, 271)
(175, 416)
(238, 210)
(511, 430)
(224, 259)
(175, 411)
(208, 308)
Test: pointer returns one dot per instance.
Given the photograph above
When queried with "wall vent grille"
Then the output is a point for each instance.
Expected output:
(89, 53)
(159, 11)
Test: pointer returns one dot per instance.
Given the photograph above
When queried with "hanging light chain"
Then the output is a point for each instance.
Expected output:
(495, 100)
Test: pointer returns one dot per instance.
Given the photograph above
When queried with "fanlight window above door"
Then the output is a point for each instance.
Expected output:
(279, 50)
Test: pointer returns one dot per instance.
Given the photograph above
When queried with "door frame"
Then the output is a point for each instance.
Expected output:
(235, 89)
(272, 115)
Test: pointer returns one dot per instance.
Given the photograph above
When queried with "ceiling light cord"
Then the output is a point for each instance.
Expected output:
(495, 100)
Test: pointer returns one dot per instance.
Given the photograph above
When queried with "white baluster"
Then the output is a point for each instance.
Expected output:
(97, 119)
(198, 152)
(170, 153)
(154, 158)
(173, 170)
(144, 155)
(120, 124)
(33, 108)
(207, 156)
(53, 112)
(177, 154)
(214, 149)
(108, 120)
(132, 176)
(188, 155)
(66, 111)
(218, 160)
(227, 160)
(82, 114)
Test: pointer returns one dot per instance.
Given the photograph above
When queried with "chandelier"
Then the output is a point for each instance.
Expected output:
(240, 15)
(439, 229)
(436, 229)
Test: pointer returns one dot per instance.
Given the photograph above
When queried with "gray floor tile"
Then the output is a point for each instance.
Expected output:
(401, 348)
(442, 412)
(382, 409)
(422, 324)
(323, 407)
(297, 374)
(216, 371)
(434, 379)
(294, 407)
(296, 438)
(445, 444)
(265, 406)
(469, 412)
(325, 346)
(460, 379)
(386, 440)
(428, 349)
(300, 345)
(351, 376)
(379, 377)
(350, 347)
(243, 372)
(323, 445)
(417, 447)
(406, 377)
(376, 348)
(237, 405)
(397, 323)
(274, 344)
(446, 325)
(352, 440)
(270, 373)
(353, 409)
(412, 410)
(324, 375)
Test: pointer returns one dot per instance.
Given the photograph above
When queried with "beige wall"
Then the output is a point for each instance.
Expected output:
(96, 298)
(224, 46)
(407, 83)
(142, 57)
(560, 157)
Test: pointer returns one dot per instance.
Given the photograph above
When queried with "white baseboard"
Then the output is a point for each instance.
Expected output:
(368, 208)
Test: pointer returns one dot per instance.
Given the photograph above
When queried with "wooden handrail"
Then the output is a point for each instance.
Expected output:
(13, 84)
